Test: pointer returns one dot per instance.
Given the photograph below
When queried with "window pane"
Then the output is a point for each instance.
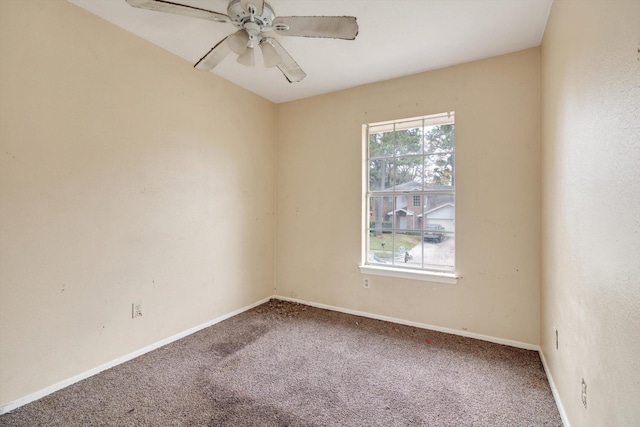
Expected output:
(380, 214)
(408, 138)
(437, 251)
(406, 247)
(377, 253)
(380, 142)
(438, 139)
(439, 170)
(434, 254)
(405, 215)
(440, 209)
(393, 248)
(408, 173)
(381, 248)
(380, 237)
(380, 175)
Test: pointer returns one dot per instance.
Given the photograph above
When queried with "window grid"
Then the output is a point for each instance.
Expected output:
(397, 233)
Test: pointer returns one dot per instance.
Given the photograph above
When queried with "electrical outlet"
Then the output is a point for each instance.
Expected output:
(366, 283)
(584, 393)
(136, 309)
(555, 330)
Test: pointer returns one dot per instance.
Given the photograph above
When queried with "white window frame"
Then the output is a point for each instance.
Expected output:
(424, 274)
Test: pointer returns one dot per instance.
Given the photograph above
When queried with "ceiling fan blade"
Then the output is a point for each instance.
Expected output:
(288, 66)
(214, 56)
(259, 5)
(179, 9)
(335, 27)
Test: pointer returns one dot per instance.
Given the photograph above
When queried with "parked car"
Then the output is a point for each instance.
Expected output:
(434, 233)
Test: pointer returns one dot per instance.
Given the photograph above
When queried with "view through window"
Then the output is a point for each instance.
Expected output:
(410, 193)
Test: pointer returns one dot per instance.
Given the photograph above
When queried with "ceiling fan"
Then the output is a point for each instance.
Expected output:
(255, 19)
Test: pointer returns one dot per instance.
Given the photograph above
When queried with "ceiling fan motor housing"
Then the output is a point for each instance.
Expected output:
(252, 23)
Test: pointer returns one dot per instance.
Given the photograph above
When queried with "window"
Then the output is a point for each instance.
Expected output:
(410, 160)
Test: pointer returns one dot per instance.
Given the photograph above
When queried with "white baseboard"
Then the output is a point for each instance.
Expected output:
(91, 372)
(510, 343)
(554, 391)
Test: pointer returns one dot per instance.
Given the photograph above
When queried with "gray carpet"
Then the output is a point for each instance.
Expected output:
(287, 364)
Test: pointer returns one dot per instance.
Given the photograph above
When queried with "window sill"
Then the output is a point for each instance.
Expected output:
(426, 276)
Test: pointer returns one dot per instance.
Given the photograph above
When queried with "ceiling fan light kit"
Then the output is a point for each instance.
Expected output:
(271, 57)
(238, 41)
(254, 19)
(246, 58)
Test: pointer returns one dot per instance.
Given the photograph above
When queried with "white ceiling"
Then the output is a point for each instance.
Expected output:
(397, 38)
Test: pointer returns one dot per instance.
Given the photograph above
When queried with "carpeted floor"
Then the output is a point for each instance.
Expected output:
(286, 364)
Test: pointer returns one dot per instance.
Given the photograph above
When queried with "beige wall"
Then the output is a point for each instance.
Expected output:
(591, 206)
(497, 105)
(124, 175)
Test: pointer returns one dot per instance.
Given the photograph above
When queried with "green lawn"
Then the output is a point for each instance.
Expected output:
(375, 243)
